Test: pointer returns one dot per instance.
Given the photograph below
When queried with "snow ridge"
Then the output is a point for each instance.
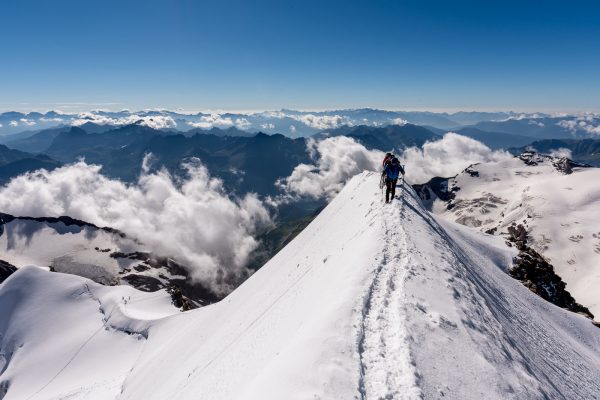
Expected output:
(477, 334)
(387, 367)
(370, 301)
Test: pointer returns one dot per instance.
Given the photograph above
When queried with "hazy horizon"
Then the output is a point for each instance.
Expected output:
(78, 110)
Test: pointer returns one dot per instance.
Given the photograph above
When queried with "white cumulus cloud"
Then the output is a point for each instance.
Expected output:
(154, 121)
(322, 121)
(242, 123)
(190, 220)
(218, 121)
(273, 114)
(398, 121)
(586, 123)
(27, 122)
(446, 157)
(99, 119)
(337, 159)
(561, 152)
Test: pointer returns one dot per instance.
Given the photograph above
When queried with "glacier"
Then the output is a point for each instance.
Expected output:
(557, 208)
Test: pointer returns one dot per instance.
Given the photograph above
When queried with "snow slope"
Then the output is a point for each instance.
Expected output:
(559, 211)
(370, 301)
(63, 336)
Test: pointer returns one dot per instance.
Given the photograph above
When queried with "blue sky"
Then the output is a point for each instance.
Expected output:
(251, 55)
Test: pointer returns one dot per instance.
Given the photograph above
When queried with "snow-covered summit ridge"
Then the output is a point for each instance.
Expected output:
(370, 301)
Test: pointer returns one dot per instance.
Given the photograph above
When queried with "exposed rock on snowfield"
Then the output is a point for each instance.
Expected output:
(538, 275)
(370, 301)
(102, 254)
(555, 199)
(436, 188)
(6, 269)
(562, 164)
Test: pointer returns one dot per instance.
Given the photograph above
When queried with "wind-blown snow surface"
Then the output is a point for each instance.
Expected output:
(63, 336)
(370, 301)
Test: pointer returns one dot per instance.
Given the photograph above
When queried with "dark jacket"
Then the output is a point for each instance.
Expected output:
(392, 172)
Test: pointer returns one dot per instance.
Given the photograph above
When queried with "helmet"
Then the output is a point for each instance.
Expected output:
(394, 161)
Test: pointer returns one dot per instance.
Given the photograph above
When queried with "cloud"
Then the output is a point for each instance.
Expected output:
(27, 122)
(322, 121)
(242, 123)
(570, 125)
(14, 123)
(562, 152)
(446, 157)
(399, 121)
(217, 121)
(44, 119)
(191, 220)
(272, 114)
(268, 126)
(153, 121)
(586, 123)
(99, 119)
(521, 116)
(337, 159)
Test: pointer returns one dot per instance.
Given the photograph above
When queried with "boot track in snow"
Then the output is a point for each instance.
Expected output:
(386, 366)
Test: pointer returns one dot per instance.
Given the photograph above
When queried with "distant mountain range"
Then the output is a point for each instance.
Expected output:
(384, 138)
(582, 150)
(246, 162)
(540, 128)
(494, 140)
(15, 162)
(290, 123)
(265, 157)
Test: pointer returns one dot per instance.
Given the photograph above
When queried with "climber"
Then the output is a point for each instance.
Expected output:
(391, 172)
